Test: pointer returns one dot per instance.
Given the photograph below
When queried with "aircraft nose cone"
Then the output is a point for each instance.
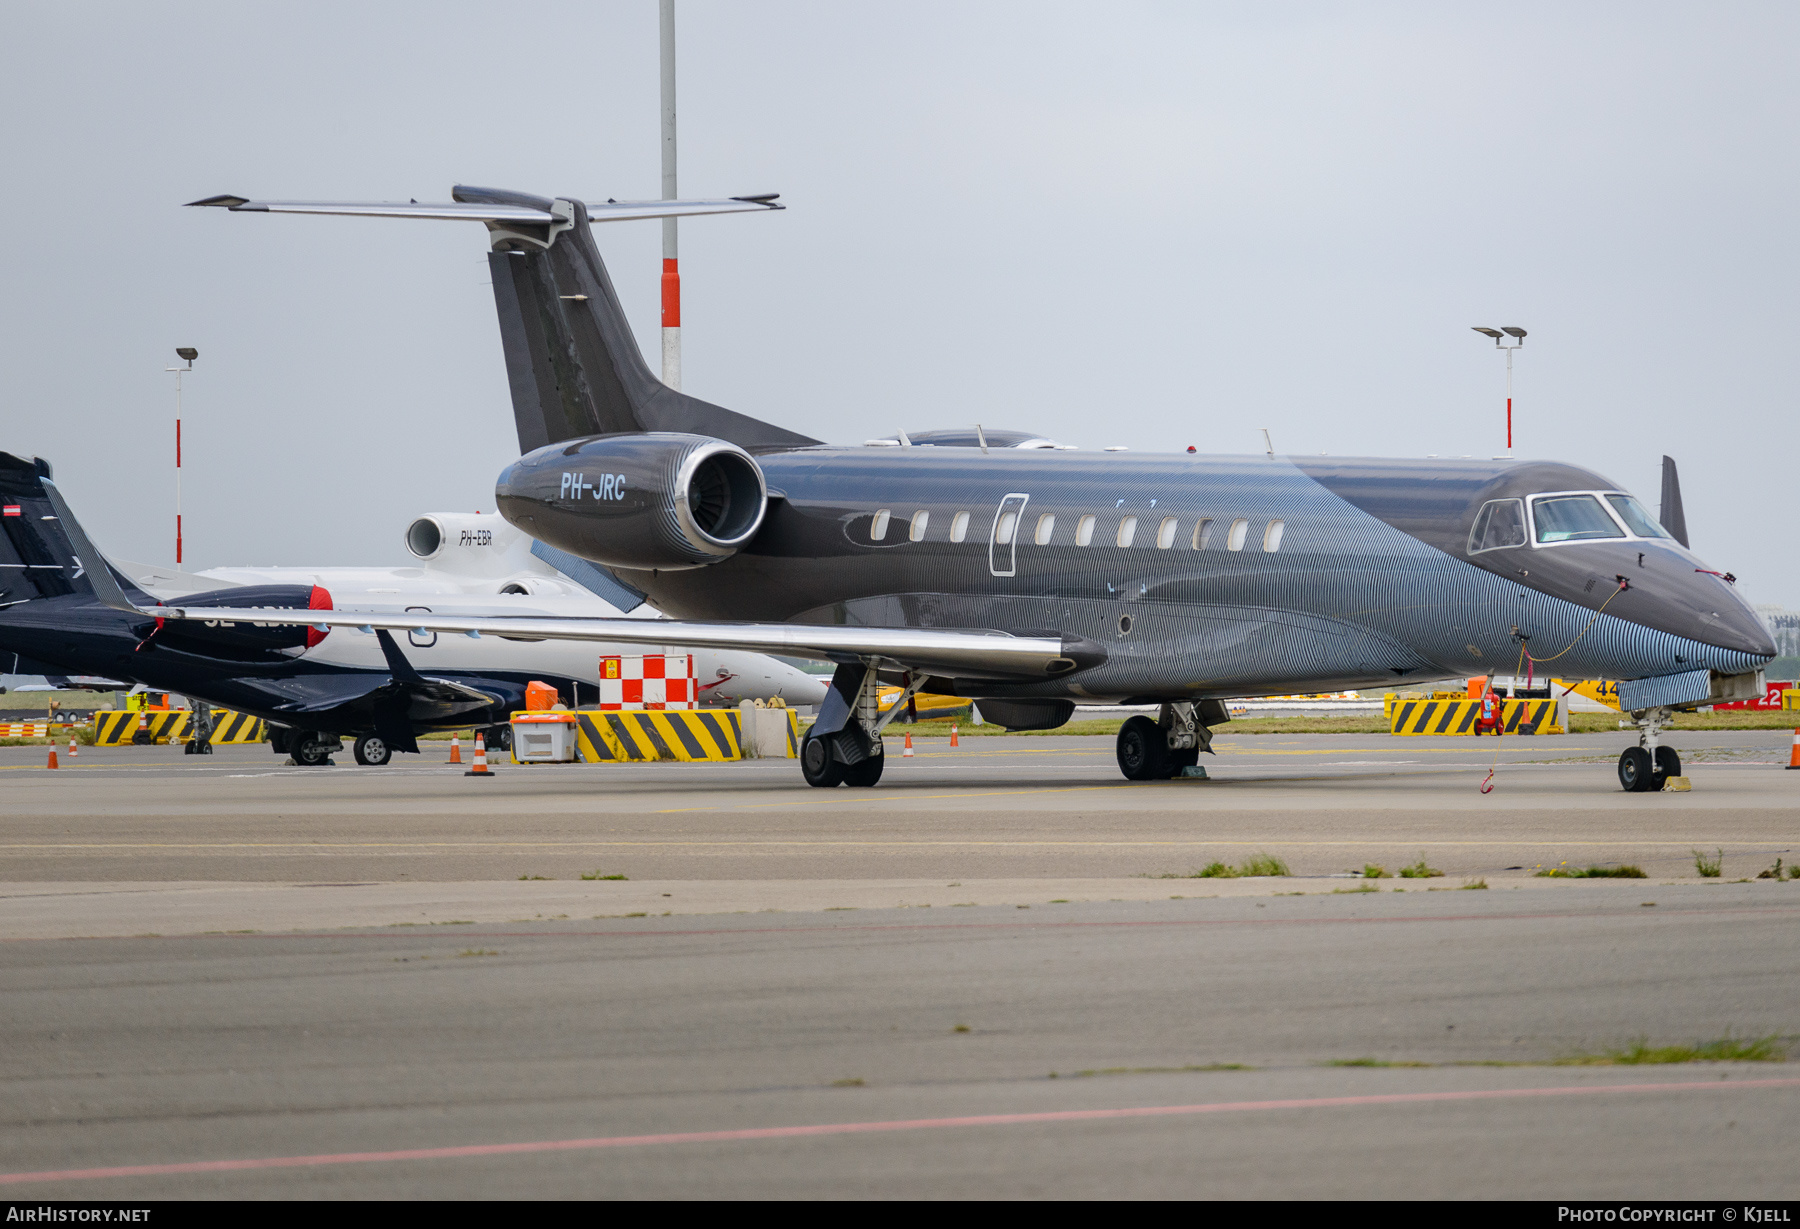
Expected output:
(1717, 616)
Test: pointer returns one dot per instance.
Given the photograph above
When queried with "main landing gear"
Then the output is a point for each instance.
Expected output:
(843, 747)
(1644, 768)
(372, 751)
(1158, 750)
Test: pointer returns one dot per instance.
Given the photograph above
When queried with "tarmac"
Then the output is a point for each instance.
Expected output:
(994, 975)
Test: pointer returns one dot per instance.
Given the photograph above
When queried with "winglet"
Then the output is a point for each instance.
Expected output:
(98, 571)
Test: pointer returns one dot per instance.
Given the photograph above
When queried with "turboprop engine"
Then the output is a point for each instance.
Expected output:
(660, 501)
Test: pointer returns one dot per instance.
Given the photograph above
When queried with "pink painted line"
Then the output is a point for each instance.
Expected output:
(865, 1128)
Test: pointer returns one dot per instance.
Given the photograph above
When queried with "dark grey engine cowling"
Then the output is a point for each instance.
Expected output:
(657, 501)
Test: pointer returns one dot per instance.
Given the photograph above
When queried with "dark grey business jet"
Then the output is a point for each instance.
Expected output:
(988, 564)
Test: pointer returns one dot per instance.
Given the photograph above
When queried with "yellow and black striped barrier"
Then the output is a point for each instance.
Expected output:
(161, 726)
(1459, 716)
(631, 735)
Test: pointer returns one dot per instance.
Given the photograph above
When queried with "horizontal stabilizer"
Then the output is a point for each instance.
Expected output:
(457, 211)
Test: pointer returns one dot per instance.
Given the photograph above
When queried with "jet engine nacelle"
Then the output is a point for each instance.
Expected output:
(218, 638)
(660, 501)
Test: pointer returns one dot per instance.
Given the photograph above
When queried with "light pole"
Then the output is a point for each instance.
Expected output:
(187, 354)
(671, 275)
(1500, 343)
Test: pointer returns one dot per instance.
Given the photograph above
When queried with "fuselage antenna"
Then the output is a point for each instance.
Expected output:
(1268, 443)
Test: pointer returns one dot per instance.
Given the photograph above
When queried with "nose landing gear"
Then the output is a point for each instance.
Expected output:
(1644, 768)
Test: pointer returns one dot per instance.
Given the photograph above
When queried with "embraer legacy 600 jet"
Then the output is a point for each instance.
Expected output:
(1034, 578)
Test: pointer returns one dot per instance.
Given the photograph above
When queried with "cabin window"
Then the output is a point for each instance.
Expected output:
(1203, 533)
(878, 527)
(1572, 518)
(1046, 527)
(959, 526)
(1003, 531)
(920, 522)
(1127, 530)
(1635, 517)
(1501, 522)
(1084, 531)
(1165, 533)
(1272, 535)
(1240, 529)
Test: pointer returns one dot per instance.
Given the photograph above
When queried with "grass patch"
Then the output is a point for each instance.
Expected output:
(1361, 887)
(852, 1082)
(960, 1028)
(1474, 885)
(1418, 870)
(637, 915)
(1626, 871)
(534, 876)
(598, 875)
(1257, 865)
(1372, 1062)
(478, 951)
(1726, 1049)
(1709, 868)
(1371, 871)
(1775, 872)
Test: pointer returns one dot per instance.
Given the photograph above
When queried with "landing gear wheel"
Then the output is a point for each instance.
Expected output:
(499, 738)
(1635, 773)
(1143, 750)
(372, 752)
(309, 754)
(1668, 764)
(816, 764)
(866, 773)
(1176, 760)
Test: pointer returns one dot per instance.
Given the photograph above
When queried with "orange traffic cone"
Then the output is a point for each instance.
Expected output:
(1794, 755)
(72, 746)
(52, 763)
(479, 768)
(953, 741)
(908, 752)
(455, 750)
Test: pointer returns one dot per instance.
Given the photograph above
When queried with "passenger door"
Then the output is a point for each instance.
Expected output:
(1003, 538)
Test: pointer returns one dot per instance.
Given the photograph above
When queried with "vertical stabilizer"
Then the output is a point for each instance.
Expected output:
(1670, 514)
(573, 365)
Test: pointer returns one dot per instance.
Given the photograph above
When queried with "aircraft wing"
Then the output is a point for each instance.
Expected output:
(948, 652)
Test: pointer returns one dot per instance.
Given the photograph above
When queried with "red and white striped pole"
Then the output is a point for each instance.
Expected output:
(671, 273)
(187, 354)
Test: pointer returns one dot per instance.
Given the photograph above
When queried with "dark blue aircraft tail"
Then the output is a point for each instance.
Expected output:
(571, 359)
(36, 561)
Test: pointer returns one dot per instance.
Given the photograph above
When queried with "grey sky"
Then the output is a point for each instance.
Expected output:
(1149, 225)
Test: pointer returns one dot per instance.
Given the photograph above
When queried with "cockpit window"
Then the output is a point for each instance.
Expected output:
(1635, 517)
(1501, 522)
(1572, 518)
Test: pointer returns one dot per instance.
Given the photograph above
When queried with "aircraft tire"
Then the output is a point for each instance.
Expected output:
(1668, 764)
(1636, 776)
(1175, 760)
(865, 774)
(499, 738)
(816, 764)
(309, 754)
(371, 751)
(1142, 750)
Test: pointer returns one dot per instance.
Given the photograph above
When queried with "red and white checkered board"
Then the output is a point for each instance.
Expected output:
(651, 681)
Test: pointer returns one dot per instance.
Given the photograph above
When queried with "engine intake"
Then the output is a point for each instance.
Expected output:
(660, 501)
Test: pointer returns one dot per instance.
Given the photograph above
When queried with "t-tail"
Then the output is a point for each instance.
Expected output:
(573, 365)
(37, 560)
